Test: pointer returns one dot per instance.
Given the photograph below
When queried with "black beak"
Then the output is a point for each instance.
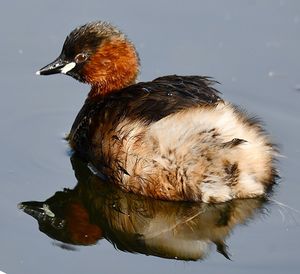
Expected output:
(38, 210)
(57, 66)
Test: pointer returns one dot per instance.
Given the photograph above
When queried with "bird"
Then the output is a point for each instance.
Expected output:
(173, 138)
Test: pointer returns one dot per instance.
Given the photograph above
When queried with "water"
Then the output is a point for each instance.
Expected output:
(251, 47)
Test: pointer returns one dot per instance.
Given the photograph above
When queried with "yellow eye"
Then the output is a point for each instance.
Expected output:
(81, 57)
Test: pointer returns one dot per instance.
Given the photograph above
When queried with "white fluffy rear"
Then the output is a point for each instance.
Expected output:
(195, 148)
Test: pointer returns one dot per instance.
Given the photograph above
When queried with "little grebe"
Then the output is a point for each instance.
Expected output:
(172, 138)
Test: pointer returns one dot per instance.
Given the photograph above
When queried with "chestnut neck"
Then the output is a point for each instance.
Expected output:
(115, 65)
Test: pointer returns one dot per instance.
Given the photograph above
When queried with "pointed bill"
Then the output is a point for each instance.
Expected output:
(57, 66)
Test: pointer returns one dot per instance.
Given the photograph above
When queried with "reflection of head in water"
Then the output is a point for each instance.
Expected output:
(180, 230)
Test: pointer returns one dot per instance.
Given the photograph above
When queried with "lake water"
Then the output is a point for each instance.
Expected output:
(250, 47)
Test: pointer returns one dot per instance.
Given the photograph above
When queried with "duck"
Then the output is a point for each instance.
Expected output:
(173, 138)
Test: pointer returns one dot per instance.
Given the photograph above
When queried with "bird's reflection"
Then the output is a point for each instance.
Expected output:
(95, 209)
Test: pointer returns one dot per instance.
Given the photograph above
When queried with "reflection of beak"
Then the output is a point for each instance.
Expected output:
(37, 210)
(57, 66)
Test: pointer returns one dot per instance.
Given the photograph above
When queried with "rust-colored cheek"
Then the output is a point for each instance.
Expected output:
(114, 66)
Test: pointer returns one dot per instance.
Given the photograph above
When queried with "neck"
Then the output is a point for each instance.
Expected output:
(102, 90)
(114, 66)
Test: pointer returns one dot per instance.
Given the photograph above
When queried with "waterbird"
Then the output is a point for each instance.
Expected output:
(173, 138)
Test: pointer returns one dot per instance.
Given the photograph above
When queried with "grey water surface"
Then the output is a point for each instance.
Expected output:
(251, 47)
